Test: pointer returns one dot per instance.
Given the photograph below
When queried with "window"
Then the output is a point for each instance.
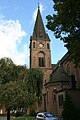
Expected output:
(72, 82)
(33, 44)
(60, 98)
(47, 97)
(68, 69)
(41, 115)
(41, 60)
(47, 45)
(53, 97)
(34, 61)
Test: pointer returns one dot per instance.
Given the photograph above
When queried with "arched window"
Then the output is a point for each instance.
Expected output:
(41, 59)
(60, 99)
(34, 45)
(48, 46)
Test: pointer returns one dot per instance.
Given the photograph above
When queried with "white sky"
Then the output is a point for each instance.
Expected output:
(11, 35)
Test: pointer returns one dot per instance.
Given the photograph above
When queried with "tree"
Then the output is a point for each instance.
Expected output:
(65, 24)
(69, 111)
(35, 80)
(6, 70)
(68, 108)
(19, 87)
(14, 95)
(14, 92)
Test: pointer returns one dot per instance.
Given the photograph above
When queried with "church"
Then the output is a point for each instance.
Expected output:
(58, 78)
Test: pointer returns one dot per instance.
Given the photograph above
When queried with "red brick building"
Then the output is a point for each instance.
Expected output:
(59, 78)
(65, 77)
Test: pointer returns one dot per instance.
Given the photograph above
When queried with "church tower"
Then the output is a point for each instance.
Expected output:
(40, 54)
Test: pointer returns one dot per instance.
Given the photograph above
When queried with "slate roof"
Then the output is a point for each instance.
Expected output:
(39, 30)
(53, 66)
(65, 57)
(59, 75)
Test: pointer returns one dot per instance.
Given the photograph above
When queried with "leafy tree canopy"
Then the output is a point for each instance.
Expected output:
(11, 72)
(14, 95)
(14, 85)
(14, 92)
(19, 87)
(65, 24)
(6, 70)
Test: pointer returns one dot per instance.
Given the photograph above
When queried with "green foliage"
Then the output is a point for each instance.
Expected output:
(65, 24)
(19, 118)
(69, 111)
(24, 118)
(6, 70)
(30, 118)
(32, 112)
(19, 113)
(15, 95)
(19, 87)
(14, 87)
(35, 80)
(11, 72)
(68, 108)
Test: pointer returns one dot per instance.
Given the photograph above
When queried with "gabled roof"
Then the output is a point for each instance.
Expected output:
(59, 75)
(64, 58)
(39, 30)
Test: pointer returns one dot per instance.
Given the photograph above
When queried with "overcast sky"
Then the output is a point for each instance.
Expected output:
(17, 18)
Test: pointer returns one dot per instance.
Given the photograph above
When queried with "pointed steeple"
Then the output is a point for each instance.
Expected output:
(39, 30)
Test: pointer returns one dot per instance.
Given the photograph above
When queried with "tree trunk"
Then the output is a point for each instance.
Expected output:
(8, 114)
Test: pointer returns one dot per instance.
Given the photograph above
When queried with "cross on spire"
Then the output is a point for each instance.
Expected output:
(38, 4)
(39, 30)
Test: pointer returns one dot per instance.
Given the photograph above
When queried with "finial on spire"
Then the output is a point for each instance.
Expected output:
(38, 4)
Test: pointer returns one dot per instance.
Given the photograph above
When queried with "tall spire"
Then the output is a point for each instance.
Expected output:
(39, 30)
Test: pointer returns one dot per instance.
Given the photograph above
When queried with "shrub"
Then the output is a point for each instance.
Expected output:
(69, 111)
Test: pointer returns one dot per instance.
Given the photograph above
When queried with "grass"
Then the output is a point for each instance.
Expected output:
(24, 118)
